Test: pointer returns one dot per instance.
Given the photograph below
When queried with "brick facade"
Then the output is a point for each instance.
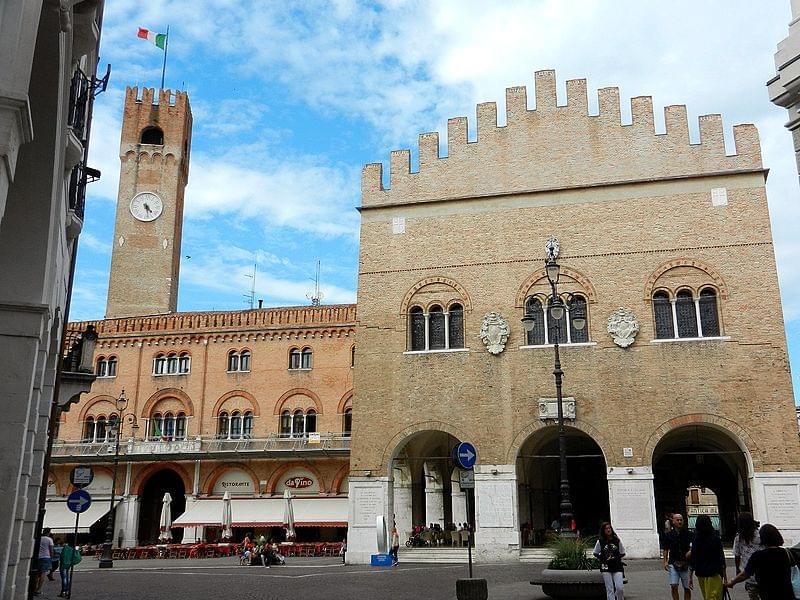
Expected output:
(633, 212)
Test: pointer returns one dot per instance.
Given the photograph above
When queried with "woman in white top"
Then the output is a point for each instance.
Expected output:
(745, 544)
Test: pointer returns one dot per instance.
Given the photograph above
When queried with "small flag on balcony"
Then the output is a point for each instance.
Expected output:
(159, 39)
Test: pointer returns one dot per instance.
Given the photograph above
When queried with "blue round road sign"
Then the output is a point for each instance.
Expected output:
(79, 501)
(465, 455)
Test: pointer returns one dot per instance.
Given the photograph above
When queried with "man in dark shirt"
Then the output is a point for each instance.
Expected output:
(677, 544)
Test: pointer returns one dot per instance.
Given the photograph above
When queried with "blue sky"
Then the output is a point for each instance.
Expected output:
(291, 99)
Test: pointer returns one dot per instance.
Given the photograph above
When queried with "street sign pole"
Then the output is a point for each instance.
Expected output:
(74, 549)
(469, 534)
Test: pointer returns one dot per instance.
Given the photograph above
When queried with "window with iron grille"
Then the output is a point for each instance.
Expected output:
(558, 327)
(662, 313)
(455, 322)
(578, 306)
(417, 329)
(686, 315)
(436, 325)
(536, 336)
(709, 314)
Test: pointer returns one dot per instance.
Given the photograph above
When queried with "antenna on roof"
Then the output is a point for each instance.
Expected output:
(250, 298)
(316, 296)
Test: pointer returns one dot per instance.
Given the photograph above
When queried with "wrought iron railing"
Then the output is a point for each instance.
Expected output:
(79, 94)
(206, 445)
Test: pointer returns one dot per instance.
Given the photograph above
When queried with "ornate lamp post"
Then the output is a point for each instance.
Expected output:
(106, 561)
(557, 307)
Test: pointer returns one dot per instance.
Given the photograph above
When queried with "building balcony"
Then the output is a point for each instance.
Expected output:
(273, 446)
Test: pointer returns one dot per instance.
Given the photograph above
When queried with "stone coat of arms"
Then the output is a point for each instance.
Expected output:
(494, 332)
(623, 327)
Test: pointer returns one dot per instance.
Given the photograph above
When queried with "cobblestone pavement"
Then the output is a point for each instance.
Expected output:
(326, 579)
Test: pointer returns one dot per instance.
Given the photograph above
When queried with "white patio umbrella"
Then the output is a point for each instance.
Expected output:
(288, 514)
(227, 517)
(165, 523)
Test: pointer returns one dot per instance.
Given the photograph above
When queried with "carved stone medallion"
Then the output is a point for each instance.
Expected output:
(494, 332)
(552, 247)
(623, 327)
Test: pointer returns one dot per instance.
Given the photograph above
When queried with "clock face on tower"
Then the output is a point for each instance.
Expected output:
(146, 206)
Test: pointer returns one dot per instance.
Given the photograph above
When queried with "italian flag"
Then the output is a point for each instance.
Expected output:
(159, 39)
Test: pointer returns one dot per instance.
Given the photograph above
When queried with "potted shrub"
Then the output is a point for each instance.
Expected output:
(573, 572)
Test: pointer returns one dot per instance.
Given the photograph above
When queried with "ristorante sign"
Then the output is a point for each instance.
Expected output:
(299, 483)
(235, 482)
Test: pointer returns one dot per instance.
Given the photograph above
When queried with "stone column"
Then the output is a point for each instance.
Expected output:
(434, 495)
(368, 497)
(776, 500)
(458, 499)
(127, 513)
(631, 498)
(402, 504)
(496, 522)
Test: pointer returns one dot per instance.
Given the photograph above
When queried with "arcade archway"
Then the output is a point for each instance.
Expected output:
(150, 498)
(692, 461)
(538, 475)
(425, 486)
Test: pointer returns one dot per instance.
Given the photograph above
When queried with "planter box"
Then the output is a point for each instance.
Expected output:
(571, 584)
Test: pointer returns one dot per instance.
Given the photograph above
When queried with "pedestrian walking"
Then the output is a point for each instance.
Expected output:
(343, 551)
(707, 559)
(677, 544)
(746, 543)
(395, 546)
(771, 566)
(45, 560)
(70, 556)
(609, 551)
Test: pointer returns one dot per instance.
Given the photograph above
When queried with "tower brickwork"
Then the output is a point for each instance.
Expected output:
(154, 156)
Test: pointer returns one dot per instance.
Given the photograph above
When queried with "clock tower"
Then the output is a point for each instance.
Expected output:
(154, 155)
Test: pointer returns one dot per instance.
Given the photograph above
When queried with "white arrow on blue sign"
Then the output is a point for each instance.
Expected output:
(79, 501)
(465, 455)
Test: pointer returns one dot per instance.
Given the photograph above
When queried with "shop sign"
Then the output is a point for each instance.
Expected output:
(299, 483)
(702, 510)
(234, 481)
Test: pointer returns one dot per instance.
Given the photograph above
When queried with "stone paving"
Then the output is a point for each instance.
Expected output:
(325, 579)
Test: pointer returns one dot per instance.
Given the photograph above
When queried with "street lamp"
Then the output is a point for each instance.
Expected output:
(106, 562)
(557, 307)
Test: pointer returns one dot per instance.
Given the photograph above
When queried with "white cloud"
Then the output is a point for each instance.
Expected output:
(405, 66)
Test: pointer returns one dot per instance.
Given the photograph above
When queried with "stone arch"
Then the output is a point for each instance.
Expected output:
(295, 392)
(583, 281)
(347, 397)
(141, 479)
(336, 484)
(734, 431)
(51, 476)
(272, 483)
(87, 406)
(390, 450)
(464, 297)
(233, 394)
(220, 470)
(716, 278)
(179, 395)
(524, 434)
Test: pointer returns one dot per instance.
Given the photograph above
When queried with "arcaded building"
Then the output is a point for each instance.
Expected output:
(680, 379)
(250, 402)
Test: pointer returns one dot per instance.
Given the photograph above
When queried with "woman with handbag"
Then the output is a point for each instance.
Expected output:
(707, 559)
(772, 567)
(610, 551)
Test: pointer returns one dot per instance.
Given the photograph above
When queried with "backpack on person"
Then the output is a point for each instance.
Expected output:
(794, 573)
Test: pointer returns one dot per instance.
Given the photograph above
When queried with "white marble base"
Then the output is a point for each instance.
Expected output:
(776, 500)
(368, 498)
(631, 498)
(496, 522)
(402, 511)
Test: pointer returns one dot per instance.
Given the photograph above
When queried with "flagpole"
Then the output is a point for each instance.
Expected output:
(164, 67)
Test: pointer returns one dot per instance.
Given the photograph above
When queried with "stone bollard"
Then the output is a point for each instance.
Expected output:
(472, 589)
